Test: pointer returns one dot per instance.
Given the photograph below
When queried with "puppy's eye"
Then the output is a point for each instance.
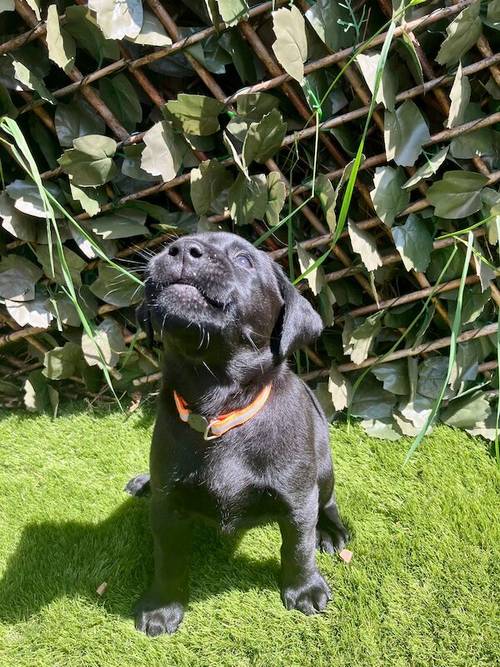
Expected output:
(243, 260)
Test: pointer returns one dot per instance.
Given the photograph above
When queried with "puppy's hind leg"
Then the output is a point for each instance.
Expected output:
(138, 485)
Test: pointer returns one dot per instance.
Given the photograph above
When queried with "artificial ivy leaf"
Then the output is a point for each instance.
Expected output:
(75, 264)
(120, 224)
(412, 415)
(370, 401)
(414, 243)
(254, 106)
(327, 196)
(316, 277)
(64, 311)
(431, 376)
(427, 170)
(7, 6)
(361, 338)
(488, 428)
(61, 363)
(207, 182)
(116, 288)
(249, 68)
(290, 46)
(230, 11)
(35, 6)
(89, 199)
(394, 376)
(466, 364)
(161, 155)
(264, 138)
(61, 45)
(483, 141)
(197, 114)
(31, 81)
(30, 313)
(411, 58)
(467, 412)
(460, 97)
(18, 277)
(328, 17)
(485, 272)
(388, 197)
(152, 32)
(247, 199)
(475, 299)
(405, 132)
(90, 161)
(106, 345)
(339, 388)
(276, 196)
(75, 120)
(118, 19)
(462, 33)
(119, 95)
(457, 194)
(386, 94)
(385, 429)
(79, 24)
(324, 399)
(234, 146)
(27, 197)
(7, 106)
(131, 165)
(15, 222)
(39, 396)
(364, 244)
(493, 14)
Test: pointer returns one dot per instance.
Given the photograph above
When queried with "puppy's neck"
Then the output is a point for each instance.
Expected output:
(214, 388)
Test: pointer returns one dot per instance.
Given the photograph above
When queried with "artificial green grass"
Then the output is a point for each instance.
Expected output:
(421, 589)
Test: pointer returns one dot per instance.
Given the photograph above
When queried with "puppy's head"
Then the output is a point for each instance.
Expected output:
(215, 293)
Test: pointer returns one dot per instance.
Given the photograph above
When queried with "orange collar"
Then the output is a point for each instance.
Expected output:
(216, 427)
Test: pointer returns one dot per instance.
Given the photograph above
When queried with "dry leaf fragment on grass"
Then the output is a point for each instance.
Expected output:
(346, 555)
(102, 588)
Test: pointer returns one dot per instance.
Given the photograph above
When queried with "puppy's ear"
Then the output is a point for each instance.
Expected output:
(144, 321)
(298, 323)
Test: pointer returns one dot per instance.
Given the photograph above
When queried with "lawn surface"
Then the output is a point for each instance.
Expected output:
(422, 588)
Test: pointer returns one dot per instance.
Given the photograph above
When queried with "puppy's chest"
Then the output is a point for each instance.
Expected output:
(227, 492)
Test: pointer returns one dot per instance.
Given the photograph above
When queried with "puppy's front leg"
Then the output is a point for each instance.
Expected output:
(161, 609)
(302, 586)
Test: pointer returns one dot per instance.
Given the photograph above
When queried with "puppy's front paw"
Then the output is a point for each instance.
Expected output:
(309, 598)
(158, 620)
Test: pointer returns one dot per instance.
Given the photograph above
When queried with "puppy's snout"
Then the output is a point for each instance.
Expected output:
(186, 249)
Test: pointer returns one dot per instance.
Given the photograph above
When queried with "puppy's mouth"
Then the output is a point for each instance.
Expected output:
(188, 286)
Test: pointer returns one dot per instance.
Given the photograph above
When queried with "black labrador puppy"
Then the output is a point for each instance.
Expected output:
(238, 438)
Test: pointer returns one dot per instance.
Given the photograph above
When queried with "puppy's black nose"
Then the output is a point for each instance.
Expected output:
(186, 248)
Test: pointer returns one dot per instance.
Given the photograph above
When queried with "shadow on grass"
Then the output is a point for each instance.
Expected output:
(72, 559)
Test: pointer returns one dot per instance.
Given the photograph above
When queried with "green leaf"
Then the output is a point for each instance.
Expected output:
(315, 276)
(18, 277)
(89, 199)
(364, 244)
(327, 17)
(249, 68)
(462, 34)
(290, 46)
(120, 224)
(90, 162)
(264, 138)
(65, 312)
(484, 141)
(414, 243)
(467, 412)
(76, 119)
(119, 95)
(207, 182)
(61, 45)
(460, 98)
(247, 199)
(361, 338)
(405, 132)
(7, 6)
(162, 155)
(118, 19)
(327, 196)
(339, 388)
(152, 32)
(388, 197)
(370, 401)
(324, 399)
(427, 170)
(115, 288)
(27, 199)
(385, 429)
(33, 313)
(394, 376)
(386, 94)
(475, 299)
(88, 36)
(75, 265)
(131, 165)
(254, 106)
(197, 114)
(107, 345)
(15, 222)
(457, 195)
(411, 58)
(31, 81)
(230, 11)
(493, 14)
(276, 196)
(61, 363)
(432, 374)
(39, 396)
(412, 415)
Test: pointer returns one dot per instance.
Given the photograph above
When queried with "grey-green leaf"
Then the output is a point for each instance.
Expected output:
(364, 244)
(414, 243)
(254, 106)
(152, 32)
(388, 196)
(247, 199)
(428, 169)
(118, 19)
(290, 46)
(63, 362)
(328, 18)
(162, 155)
(457, 194)
(106, 345)
(207, 182)
(386, 94)
(462, 34)
(18, 277)
(31, 81)
(460, 97)
(90, 162)
(264, 138)
(120, 96)
(76, 119)
(197, 114)
(39, 396)
(34, 313)
(61, 45)
(405, 132)
(116, 288)
(120, 224)
(467, 412)
(394, 376)
(276, 196)
(16, 223)
(27, 199)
